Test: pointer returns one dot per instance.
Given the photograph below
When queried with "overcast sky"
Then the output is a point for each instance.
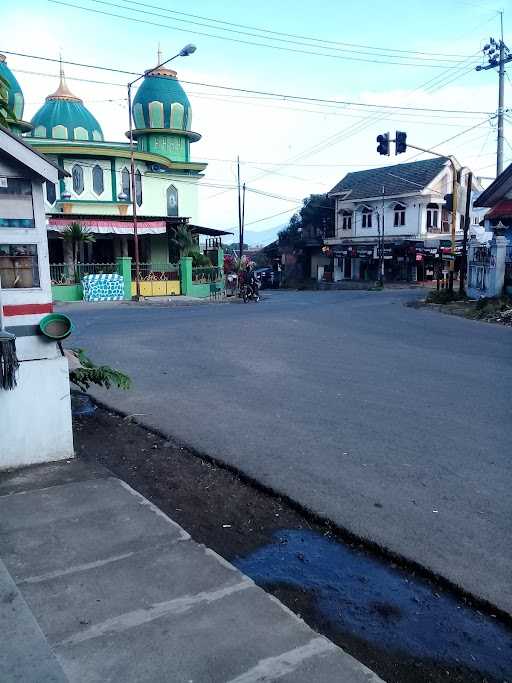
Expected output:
(287, 148)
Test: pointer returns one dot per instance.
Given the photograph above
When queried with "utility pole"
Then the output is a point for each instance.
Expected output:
(240, 228)
(467, 219)
(498, 55)
(381, 260)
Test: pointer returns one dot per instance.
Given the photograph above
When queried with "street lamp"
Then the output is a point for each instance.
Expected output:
(184, 52)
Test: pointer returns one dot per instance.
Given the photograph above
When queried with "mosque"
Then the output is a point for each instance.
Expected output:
(97, 192)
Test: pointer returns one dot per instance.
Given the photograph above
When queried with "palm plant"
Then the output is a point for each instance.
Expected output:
(184, 241)
(6, 114)
(75, 234)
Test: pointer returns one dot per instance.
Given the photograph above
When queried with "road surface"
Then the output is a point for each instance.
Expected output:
(393, 422)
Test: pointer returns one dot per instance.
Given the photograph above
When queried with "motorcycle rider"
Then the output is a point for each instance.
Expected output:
(251, 281)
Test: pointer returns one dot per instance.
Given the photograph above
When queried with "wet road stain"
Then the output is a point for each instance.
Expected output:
(382, 604)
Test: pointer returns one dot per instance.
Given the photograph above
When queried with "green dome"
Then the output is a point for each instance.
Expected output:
(161, 102)
(65, 117)
(16, 101)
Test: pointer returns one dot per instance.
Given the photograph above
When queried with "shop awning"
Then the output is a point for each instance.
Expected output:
(210, 232)
(109, 226)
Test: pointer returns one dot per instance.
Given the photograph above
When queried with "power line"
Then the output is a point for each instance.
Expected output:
(226, 38)
(284, 96)
(290, 35)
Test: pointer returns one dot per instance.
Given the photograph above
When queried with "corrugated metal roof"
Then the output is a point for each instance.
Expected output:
(396, 180)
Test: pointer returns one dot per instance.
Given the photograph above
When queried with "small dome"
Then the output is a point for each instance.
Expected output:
(161, 102)
(16, 101)
(65, 117)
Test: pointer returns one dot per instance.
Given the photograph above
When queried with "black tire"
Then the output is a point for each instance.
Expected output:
(245, 295)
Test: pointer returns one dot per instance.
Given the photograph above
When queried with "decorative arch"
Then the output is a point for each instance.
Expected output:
(125, 183)
(366, 216)
(60, 132)
(156, 114)
(77, 173)
(177, 115)
(40, 132)
(172, 201)
(138, 187)
(98, 183)
(138, 115)
(80, 133)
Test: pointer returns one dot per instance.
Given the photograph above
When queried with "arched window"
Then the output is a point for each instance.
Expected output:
(78, 179)
(51, 194)
(98, 184)
(367, 217)
(399, 219)
(138, 187)
(346, 220)
(125, 183)
(432, 217)
(172, 201)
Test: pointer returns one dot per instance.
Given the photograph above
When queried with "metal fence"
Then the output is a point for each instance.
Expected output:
(66, 274)
(207, 274)
(157, 272)
(508, 266)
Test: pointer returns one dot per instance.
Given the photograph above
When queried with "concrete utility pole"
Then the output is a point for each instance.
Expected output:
(498, 55)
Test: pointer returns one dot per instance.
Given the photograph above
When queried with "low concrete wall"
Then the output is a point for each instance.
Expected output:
(35, 417)
(67, 293)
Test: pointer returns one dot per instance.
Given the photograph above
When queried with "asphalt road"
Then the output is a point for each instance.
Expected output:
(393, 422)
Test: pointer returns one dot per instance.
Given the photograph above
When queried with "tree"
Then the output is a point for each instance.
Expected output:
(75, 234)
(315, 218)
(7, 116)
(184, 241)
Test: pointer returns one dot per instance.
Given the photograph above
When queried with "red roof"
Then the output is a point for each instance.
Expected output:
(502, 209)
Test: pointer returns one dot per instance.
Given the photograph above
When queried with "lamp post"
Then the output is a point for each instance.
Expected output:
(184, 52)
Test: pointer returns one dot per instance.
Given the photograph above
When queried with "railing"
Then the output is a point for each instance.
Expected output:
(204, 275)
(482, 256)
(67, 274)
(157, 272)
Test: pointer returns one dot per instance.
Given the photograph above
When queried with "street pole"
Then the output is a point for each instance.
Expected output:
(184, 52)
(498, 55)
(455, 191)
(134, 200)
(240, 245)
(467, 218)
(501, 103)
(243, 214)
(381, 264)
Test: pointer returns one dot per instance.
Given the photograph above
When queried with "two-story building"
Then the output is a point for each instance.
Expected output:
(406, 203)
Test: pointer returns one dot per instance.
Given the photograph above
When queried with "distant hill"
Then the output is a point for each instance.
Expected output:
(263, 237)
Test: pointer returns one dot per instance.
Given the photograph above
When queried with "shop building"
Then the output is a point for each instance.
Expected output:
(410, 206)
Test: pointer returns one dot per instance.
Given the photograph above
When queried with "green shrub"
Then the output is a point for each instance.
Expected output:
(88, 373)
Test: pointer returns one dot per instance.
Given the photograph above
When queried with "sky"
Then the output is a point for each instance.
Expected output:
(400, 54)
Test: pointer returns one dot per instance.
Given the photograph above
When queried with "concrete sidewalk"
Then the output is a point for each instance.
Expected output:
(97, 584)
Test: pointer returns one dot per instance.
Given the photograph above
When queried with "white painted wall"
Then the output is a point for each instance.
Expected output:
(35, 417)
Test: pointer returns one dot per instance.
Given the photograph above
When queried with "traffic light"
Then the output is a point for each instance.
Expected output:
(448, 198)
(383, 146)
(400, 142)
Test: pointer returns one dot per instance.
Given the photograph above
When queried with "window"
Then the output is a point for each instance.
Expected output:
(346, 220)
(399, 215)
(125, 183)
(138, 187)
(367, 217)
(172, 201)
(16, 210)
(98, 184)
(18, 266)
(432, 217)
(78, 179)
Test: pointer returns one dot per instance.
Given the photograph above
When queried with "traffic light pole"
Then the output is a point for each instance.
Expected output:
(455, 187)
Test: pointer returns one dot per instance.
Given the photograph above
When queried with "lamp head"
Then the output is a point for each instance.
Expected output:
(187, 50)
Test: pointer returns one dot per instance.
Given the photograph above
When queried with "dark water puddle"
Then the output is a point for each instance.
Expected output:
(382, 605)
